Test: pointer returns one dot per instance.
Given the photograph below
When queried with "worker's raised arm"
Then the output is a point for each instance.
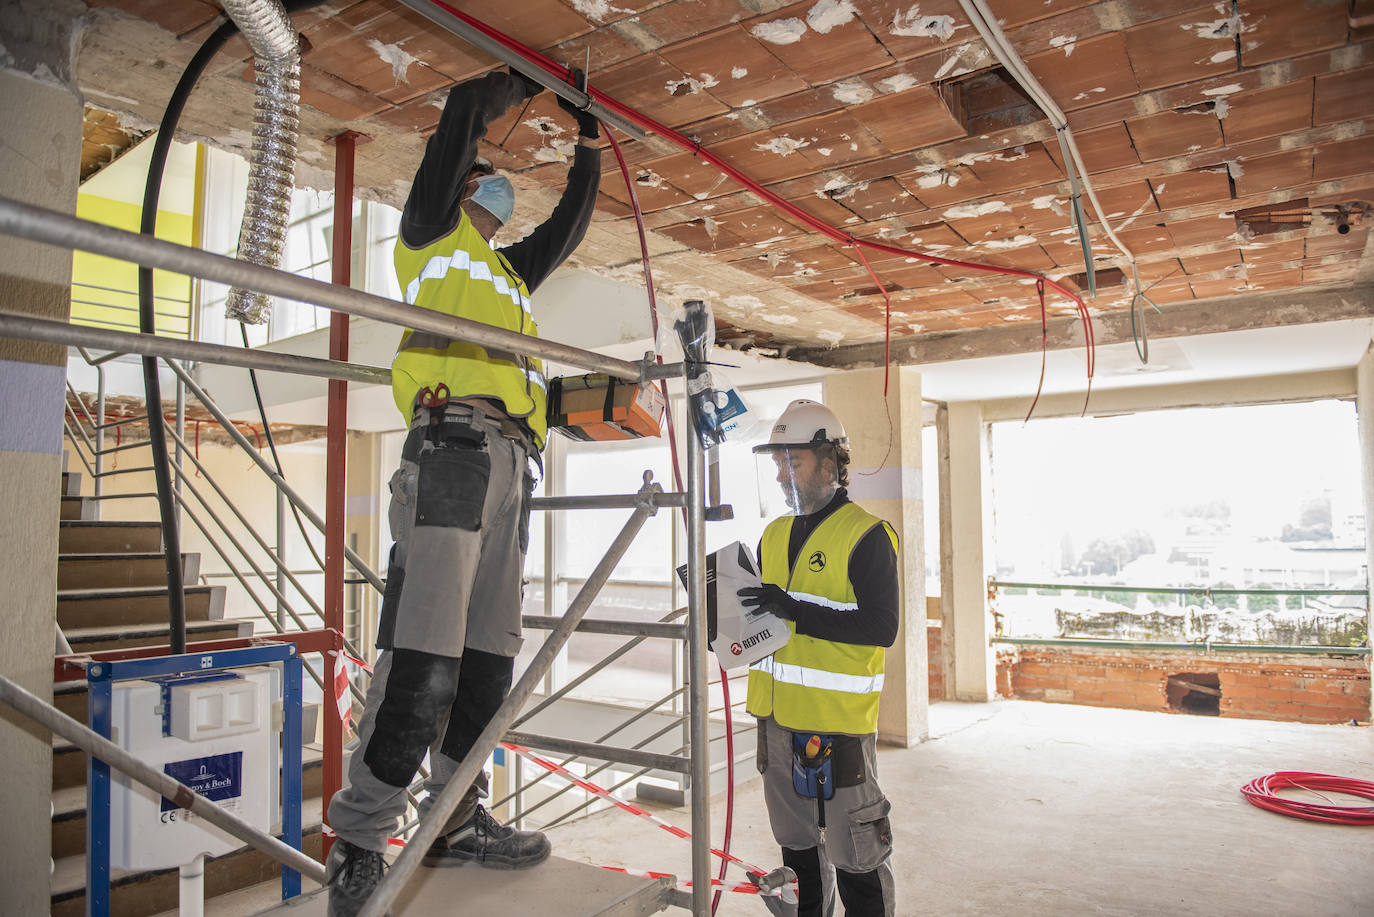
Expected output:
(537, 255)
(432, 210)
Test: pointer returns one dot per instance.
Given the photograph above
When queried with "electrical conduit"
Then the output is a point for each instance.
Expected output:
(272, 171)
(531, 57)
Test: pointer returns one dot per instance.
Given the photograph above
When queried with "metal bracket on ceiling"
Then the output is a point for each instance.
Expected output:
(447, 20)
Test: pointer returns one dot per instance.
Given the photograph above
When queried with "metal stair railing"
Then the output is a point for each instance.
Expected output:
(285, 608)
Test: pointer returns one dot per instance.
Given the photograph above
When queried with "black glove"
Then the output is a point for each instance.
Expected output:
(531, 88)
(770, 598)
(586, 121)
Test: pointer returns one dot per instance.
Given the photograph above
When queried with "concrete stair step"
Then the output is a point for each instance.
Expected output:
(97, 571)
(556, 886)
(250, 899)
(135, 605)
(90, 639)
(69, 803)
(143, 893)
(86, 537)
(79, 507)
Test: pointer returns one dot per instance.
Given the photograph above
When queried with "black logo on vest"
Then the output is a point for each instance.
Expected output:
(816, 561)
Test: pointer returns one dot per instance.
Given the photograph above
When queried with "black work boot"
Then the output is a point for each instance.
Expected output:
(485, 841)
(352, 874)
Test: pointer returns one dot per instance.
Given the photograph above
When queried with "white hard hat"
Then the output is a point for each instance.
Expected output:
(805, 423)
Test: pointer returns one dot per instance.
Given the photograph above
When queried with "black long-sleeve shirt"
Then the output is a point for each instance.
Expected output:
(873, 575)
(432, 210)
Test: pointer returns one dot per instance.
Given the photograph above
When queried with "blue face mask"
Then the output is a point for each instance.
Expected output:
(495, 195)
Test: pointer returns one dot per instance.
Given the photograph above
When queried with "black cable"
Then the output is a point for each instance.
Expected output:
(147, 323)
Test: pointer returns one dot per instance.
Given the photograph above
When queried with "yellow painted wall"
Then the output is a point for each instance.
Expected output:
(105, 290)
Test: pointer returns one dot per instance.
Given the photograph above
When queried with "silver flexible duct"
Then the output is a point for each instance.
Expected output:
(272, 171)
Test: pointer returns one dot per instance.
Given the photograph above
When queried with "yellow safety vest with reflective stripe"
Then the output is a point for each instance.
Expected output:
(812, 684)
(461, 275)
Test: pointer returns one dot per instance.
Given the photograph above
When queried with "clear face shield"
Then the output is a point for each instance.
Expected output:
(795, 480)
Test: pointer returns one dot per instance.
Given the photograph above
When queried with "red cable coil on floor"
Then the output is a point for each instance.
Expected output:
(1263, 792)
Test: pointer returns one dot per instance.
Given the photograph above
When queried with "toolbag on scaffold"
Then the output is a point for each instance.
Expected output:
(599, 407)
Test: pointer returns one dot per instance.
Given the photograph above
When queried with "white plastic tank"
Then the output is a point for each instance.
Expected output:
(216, 733)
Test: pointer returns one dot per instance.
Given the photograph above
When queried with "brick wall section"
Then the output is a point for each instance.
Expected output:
(935, 659)
(1306, 689)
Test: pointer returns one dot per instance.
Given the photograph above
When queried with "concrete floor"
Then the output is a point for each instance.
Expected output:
(1030, 808)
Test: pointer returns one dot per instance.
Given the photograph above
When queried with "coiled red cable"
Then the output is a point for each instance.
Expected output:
(1263, 792)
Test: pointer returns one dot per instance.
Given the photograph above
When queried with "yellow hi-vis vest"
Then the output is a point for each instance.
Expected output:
(461, 275)
(812, 684)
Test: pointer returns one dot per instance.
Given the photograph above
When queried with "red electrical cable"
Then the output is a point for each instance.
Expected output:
(1263, 792)
(677, 478)
(695, 148)
(653, 299)
(887, 312)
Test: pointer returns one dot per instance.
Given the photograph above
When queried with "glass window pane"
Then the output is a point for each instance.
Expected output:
(1169, 503)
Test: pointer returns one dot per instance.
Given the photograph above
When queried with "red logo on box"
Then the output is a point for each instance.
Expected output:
(736, 649)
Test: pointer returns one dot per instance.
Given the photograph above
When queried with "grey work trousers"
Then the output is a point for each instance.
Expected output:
(453, 512)
(857, 838)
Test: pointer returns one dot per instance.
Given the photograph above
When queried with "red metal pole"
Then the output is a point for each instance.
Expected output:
(336, 467)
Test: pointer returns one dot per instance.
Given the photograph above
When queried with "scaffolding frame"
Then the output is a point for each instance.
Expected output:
(64, 231)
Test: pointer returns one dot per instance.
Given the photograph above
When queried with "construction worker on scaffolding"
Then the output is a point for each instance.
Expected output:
(461, 497)
(829, 568)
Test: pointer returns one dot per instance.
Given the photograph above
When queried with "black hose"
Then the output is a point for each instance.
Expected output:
(147, 323)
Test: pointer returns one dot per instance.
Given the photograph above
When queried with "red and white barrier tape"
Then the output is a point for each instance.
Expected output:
(393, 841)
(747, 888)
(633, 809)
(343, 698)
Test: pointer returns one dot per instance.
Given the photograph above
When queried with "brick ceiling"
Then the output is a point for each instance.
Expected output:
(1222, 140)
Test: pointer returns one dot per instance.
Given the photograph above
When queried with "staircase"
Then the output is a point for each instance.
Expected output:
(112, 593)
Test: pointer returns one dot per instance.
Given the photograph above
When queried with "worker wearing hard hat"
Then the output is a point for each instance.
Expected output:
(830, 568)
(461, 497)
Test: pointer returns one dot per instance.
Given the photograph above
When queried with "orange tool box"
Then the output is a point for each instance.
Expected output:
(598, 407)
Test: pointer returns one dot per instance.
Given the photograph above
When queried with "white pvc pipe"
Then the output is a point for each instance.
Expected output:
(191, 888)
(985, 23)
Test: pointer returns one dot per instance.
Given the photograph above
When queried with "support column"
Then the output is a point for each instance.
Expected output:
(336, 466)
(1364, 406)
(885, 478)
(968, 629)
(41, 110)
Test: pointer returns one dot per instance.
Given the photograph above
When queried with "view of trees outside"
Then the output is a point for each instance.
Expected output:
(1263, 497)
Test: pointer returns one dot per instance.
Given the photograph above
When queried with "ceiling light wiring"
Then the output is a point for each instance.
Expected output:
(677, 480)
(532, 57)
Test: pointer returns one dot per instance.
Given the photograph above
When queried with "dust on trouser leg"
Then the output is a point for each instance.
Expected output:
(419, 691)
(483, 684)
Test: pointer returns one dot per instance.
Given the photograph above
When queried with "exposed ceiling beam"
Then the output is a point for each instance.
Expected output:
(1211, 316)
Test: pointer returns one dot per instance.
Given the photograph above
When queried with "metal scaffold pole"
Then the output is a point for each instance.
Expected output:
(698, 696)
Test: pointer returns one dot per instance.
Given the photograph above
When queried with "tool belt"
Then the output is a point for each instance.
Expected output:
(823, 762)
(463, 424)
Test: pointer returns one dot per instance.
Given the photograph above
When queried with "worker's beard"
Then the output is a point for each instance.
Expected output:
(810, 494)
